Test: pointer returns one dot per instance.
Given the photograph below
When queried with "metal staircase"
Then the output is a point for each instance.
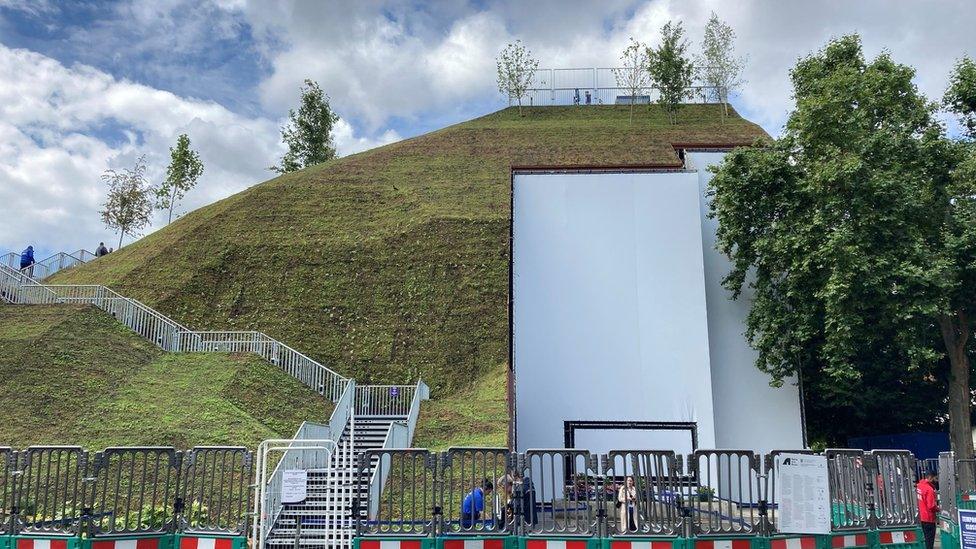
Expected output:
(49, 265)
(325, 517)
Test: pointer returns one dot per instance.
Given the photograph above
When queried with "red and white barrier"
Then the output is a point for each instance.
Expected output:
(206, 543)
(42, 544)
(895, 537)
(390, 544)
(554, 544)
(722, 544)
(142, 543)
(474, 544)
(852, 540)
(663, 544)
(806, 542)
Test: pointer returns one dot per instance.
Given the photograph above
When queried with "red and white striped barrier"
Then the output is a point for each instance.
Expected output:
(892, 538)
(206, 543)
(42, 544)
(554, 544)
(142, 543)
(390, 544)
(474, 544)
(806, 542)
(650, 544)
(850, 540)
(722, 544)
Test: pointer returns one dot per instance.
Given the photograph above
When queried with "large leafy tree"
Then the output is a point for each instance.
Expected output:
(308, 133)
(855, 230)
(671, 69)
(181, 175)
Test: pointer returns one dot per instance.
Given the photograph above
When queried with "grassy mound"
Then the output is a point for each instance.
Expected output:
(390, 264)
(72, 375)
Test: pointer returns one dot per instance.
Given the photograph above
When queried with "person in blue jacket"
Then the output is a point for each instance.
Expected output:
(27, 257)
(474, 504)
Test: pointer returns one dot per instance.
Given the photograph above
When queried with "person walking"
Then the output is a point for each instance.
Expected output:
(27, 260)
(101, 250)
(928, 507)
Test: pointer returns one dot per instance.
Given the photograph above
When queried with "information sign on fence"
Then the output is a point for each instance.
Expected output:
(294, 485)
(967, 529)
(802, 493)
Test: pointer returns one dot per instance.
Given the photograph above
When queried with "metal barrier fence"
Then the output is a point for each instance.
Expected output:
(573, 493)
(571, 86)
(66, 491)
(384, 400)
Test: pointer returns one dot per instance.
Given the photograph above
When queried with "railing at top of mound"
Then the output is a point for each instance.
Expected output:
(572, 85)
(49, 265)
(16, 287)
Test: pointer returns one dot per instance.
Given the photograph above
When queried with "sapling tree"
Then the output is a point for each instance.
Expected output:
(516, 69)
(719, 69)
(671, 69)
(181, 175)
(633, 75)
(308, 134)
(128, 207)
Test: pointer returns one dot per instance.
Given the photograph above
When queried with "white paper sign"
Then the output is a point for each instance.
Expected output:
(294, 485)
(802, 494)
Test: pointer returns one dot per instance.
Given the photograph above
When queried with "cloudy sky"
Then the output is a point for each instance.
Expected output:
(89, 85)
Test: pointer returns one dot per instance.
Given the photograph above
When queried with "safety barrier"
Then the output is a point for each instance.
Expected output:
(49, 265)
(562, 494)
(124, 498)
(957, 492)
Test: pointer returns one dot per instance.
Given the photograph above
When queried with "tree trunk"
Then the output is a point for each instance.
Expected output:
(172, 200)
(121, 235)
(520, 105)
(955, 334)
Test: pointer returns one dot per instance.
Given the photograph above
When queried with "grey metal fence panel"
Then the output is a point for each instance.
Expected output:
(8, 464)
(894, 491)
(403, 503)
(384, 400)
(947, 483)
(134, 491)
(463, 473)
(51, 491)
(850, 480)
(643, 489)
(214, 490)
(772, 475)
(563, 491)
(728, 491)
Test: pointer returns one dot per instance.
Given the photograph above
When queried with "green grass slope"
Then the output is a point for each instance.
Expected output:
(72, 375)
(393, 263)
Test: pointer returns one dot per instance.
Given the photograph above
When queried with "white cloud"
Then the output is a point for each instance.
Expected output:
(61, 127)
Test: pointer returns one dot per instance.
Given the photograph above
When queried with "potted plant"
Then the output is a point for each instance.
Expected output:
(705, 493)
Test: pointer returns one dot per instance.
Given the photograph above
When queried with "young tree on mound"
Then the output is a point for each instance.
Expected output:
(308, 133)
(856, 232)
(516, 69)
(633, 75)
(129, 206)
(181, 175)
(718, 67)
(671, 69)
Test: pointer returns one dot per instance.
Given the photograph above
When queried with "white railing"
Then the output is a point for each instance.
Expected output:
(570, 86)
(49, 265)
(16, 287)
(400, 435)
(384, 400)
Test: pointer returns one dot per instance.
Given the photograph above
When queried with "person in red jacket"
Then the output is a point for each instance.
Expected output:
(928, 507)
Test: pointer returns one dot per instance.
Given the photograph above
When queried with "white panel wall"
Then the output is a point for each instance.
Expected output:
(609, 303)
(748, 412)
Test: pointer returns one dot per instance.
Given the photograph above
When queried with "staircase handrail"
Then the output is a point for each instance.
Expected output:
(169, 334)
(310, 431)
(399, 436)
(53, 264)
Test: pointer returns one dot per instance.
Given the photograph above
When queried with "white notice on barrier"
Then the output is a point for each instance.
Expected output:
(802, 494)
(294, 485)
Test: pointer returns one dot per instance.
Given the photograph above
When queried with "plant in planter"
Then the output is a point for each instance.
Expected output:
(705, 493)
